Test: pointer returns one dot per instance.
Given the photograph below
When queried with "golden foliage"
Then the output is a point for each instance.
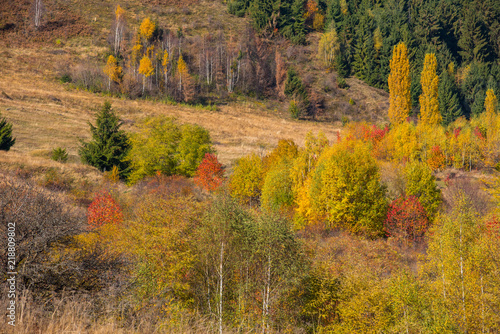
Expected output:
(119, 12)
(490, 103)
(146, 67)
(429, 104)
(181, 66)
(112, 70)
(147, 28)
(399, 85)
(328, 47)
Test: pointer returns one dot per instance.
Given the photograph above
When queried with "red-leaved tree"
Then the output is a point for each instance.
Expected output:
(210, 173)
(104, 210)
(406, 219)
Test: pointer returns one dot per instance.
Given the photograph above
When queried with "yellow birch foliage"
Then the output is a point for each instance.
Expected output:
(402, 142)
(328, 47)
(399, 85)
(119, 12)
(429, 104)
(112, 70)
(146, 67)
(147, 28)
(165, 60)
(181, 66)
(490, 103)
(136, 51)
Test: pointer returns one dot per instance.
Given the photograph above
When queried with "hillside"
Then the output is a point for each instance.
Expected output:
(244, 166)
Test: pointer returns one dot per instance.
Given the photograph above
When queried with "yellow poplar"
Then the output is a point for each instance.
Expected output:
(399, 85)
(429, 104)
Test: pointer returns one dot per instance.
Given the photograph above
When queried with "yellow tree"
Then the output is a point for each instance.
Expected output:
(119, 27)
(112, 70)
(429, 105)
(146, 69)
(136, 52)
(490, 103)
(399, 85)
(147, 28)
(185, 83)
(328, 47)
(165, 61)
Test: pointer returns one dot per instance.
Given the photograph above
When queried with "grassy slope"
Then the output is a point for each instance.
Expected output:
(46, 114)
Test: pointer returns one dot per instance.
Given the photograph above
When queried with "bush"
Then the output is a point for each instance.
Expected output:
(162, 146)
(406, 220)
(342, 83)
(59, 154)
(54, 180)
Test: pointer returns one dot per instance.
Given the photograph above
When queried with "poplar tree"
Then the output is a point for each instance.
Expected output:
(429, 105)
(399, 85)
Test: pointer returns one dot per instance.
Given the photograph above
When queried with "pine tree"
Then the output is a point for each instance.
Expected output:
(109, 144)
(6, 140)
(429, 105)
(449, 102)
(399, 85)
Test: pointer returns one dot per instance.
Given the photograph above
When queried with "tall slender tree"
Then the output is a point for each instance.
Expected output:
(399, 85)
(429, 104)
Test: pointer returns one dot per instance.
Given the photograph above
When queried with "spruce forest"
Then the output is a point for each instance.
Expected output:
(250, 166)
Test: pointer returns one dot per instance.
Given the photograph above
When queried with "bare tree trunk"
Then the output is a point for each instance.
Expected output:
(221, 277)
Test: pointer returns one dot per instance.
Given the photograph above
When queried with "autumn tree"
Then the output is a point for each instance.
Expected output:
(247, 178)
(429, 104)
(162, 146)
(118, 30)
(103, 210)
(346, 189)
(6, 140)
(491, 103)
(109, 145)
(399, 85)
(186, 88)
(329, 47)
(146, 69)
(147, 28)
(422, 184)
(210, 173)
(112, 70)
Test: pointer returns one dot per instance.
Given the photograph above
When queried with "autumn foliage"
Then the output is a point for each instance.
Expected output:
(399, 85)
(104, 210)
(210, 173)
(406, 219)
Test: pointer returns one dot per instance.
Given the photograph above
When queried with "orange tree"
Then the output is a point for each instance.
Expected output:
(104, 210)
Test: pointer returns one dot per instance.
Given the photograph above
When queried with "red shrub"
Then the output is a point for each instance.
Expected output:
(104, 210)
(210, 173)
(406, 219)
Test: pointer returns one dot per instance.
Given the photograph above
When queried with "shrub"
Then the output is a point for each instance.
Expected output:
(162, 146)
(406, 220)
(246, 181)
(210, 173)
(342, 83)
(59, 154)
(54, 180)
(104, 210)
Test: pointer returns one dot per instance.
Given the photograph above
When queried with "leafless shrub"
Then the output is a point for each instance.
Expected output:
(472, 190)
(89, 76)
